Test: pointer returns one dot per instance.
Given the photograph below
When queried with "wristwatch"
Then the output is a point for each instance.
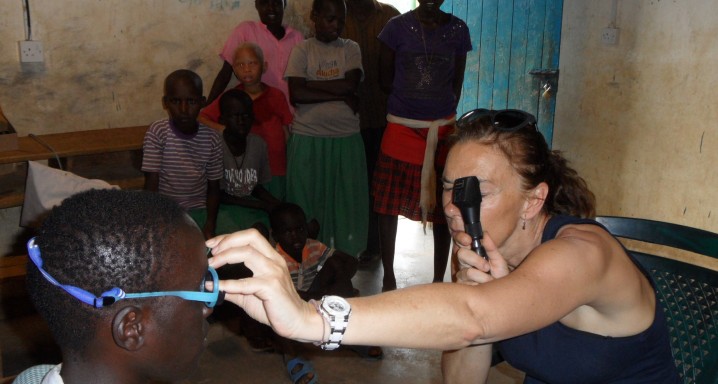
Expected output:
(335, 311)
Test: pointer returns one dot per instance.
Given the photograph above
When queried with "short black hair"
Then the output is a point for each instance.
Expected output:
(97, 240)
(235, 94)
(184, 74)
(318, 4)
(275, 217)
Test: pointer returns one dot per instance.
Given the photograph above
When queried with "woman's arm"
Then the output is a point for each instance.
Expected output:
(556, 279)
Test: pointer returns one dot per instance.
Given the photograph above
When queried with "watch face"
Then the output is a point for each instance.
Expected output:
(336, 305)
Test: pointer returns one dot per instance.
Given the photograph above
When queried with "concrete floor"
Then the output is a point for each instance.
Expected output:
(229, 359)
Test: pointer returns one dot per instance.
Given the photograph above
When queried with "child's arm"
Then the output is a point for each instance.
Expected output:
(459, 67)
(152, 181)
(262, 199)
(301, 93)
(340, 87)
(212, 208)
(220, 82)
(343, 265)
(386, 68)
(211, 123)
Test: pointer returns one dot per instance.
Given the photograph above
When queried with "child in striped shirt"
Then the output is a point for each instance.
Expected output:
(182, 159)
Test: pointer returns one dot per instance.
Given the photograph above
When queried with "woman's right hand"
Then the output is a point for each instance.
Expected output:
(269, 295)
(474, 269)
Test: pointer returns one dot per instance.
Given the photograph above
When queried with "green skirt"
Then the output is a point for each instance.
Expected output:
(327, 178)
(231, 218)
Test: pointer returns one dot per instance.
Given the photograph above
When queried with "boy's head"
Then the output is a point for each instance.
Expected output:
(249, 64)
(271, 12)
(236, 114)
(289, 228)
(183, 99)
(329, 17)
(138, 242)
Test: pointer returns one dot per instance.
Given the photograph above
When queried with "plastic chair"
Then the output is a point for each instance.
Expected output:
(687, 292)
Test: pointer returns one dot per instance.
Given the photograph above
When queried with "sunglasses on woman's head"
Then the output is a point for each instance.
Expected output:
(115, 294)
(504, 120)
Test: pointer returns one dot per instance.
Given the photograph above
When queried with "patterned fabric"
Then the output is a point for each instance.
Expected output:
(372, 100)
(40, 374)
(408, 144)
(424, 65)
(318, 61)
(243, 173)
(271, 113)
(276, 52)
(396, 189)
(314, 255)
(184, 162)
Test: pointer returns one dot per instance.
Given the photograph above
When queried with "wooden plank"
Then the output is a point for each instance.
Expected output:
(488, 50)
(519, 80)
(502, 54)
(534, 51)
(470, 91)
(13, 266)
(76, 143)
(549, 59)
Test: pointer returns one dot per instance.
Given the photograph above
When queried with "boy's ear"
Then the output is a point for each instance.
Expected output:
(128, 328)
(164, 102)
(264, 69)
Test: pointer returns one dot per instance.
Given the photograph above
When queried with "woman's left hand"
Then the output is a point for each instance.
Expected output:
(269, 295)
(474, 269)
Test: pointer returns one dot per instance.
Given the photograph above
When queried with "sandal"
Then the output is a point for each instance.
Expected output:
(367, 352)
(307, 368)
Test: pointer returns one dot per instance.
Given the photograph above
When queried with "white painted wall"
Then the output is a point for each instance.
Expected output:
(638, 119)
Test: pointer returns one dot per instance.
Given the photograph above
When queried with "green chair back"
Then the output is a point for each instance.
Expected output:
(687, 292)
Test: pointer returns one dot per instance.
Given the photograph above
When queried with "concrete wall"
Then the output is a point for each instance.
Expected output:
(105, 61)
(638, 120)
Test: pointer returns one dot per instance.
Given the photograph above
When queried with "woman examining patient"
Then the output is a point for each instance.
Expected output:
(559, 296)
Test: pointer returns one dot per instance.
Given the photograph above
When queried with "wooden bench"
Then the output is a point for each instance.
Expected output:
(69, 147)
(73, 150)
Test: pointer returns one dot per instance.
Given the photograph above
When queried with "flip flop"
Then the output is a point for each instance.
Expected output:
(307, 368)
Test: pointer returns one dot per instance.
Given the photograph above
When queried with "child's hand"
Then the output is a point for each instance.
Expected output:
(353, 102)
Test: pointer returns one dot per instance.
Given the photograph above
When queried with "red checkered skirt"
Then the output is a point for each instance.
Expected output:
(397, 187)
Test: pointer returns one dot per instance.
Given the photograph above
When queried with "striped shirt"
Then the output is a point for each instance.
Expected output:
(314, 255)
(185, 162)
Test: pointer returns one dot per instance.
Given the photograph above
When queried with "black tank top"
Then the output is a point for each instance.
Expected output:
(559, 354)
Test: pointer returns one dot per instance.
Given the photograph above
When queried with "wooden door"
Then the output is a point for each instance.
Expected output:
(514, 61)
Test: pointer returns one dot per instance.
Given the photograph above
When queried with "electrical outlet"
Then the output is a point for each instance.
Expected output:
(30, 51)
(609, 36)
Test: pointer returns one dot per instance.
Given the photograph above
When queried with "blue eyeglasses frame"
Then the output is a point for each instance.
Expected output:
(115, 294)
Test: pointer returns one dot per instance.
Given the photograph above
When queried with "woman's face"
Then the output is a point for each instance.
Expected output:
(503, 200)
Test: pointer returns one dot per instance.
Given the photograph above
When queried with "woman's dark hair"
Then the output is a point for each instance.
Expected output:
(531, 158)
(97, 240)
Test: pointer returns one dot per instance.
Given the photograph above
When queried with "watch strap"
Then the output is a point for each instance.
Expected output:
(337, 326)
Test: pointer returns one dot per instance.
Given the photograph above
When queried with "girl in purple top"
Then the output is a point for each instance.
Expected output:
(423, 57)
